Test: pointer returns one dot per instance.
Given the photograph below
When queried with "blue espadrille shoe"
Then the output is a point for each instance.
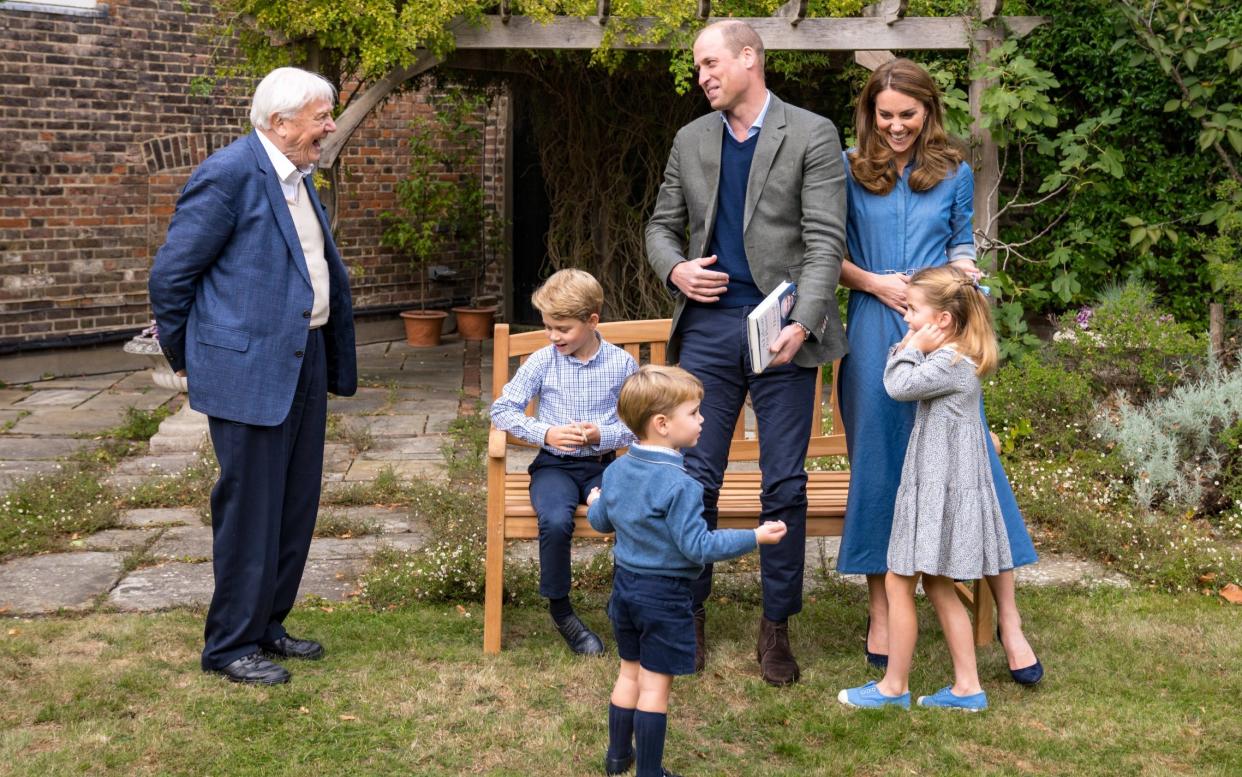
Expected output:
(976, 702)
(868, 697)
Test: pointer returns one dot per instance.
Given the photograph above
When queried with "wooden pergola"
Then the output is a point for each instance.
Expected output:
(871, 38)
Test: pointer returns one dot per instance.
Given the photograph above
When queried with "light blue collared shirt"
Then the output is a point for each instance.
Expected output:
(753, 130)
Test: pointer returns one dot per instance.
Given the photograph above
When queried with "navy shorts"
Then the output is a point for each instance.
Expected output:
(652, 621)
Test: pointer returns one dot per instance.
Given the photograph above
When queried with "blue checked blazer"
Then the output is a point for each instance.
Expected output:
(232, 295)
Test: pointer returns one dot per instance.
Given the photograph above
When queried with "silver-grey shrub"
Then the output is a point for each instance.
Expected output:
(1171, 445)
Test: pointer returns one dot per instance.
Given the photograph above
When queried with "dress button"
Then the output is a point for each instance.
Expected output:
(298, 354)
(305, 314)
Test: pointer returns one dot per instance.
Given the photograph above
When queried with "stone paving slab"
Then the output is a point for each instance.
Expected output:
(57, 581)
(26, 448)
(96, 382)
(364, 470)
(332, 579)
(424, 407)
(12, 396)
(118, 539)
(324, 548)
(135, 381)
(165, 464)
(18, 470)
(48, 397)
(123, 400)
(367, 400)
(337, 457)
(408, 542)
(175, 584)
(184, 542)
(391, 425)
(156, 516)
(386, 520)
(59, 422)
(400, 448)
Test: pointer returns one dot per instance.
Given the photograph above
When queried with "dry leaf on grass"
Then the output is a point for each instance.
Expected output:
(349, 717)
(1232, 594)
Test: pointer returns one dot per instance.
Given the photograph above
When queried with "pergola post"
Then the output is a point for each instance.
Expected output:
(983, 156)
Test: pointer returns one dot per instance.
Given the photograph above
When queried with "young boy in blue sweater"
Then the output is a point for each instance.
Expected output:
(662, 543)
(577, 379)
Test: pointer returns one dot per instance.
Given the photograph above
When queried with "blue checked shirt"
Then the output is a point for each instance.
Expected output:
(569, 390)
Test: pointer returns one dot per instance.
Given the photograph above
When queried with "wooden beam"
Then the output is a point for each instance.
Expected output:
(794, 11)
(362, 105)
(602, 11)
(505, 11)
(816, 34)
(890, 11)
(984, 159)
(704, 9)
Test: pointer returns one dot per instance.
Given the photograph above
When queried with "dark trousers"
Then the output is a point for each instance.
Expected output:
(263, 512)
(713, 348)
(558, 484)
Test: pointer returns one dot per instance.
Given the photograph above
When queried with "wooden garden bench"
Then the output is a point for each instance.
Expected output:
(510, 515)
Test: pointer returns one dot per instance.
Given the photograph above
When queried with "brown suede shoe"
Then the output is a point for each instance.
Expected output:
(776, 660)
(700, 640)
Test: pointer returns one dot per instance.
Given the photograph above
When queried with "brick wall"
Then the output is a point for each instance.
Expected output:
(100, 129)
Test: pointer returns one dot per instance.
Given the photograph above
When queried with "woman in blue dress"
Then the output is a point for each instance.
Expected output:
(910, 206)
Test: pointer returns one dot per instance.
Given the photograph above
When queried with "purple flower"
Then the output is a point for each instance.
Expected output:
(1167, 318)
(1084, 317)
(152, 331)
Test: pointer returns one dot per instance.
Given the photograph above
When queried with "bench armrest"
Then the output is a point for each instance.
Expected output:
(496, 441)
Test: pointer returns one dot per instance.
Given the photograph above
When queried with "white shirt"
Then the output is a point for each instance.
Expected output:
(290, 175)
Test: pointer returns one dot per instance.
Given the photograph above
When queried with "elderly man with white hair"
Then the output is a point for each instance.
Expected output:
(253, 306)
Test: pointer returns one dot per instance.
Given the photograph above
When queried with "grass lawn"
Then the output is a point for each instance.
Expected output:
(1139, 683)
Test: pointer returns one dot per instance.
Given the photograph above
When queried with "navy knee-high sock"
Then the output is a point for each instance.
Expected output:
(649, 728)
(620, 731)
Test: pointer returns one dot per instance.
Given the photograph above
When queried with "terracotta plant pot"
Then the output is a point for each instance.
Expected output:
(422, 327)
(475, 323)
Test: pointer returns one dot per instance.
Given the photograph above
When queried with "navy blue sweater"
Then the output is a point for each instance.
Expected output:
(726, 243)
(656, 510)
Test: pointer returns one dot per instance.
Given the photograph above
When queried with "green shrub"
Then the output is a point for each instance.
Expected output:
(1126, 343)
(1174, 447)
(1036, 403)
(140, 425)
(1084, 504)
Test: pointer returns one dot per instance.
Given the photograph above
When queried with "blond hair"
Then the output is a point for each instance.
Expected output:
(652, 391)
(952, 291)
(569, 294)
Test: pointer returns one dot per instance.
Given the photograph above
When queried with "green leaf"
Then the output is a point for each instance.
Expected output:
(1137, 235)
(1235, 140)
(1172, 105)
(1234, 58)
(1132, 221)
(1215, 43)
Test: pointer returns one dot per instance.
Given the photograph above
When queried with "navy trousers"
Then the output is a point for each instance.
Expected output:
(558, 484)
(713, 348)
(263, 512)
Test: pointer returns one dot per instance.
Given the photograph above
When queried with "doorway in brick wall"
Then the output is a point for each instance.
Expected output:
(530, 213)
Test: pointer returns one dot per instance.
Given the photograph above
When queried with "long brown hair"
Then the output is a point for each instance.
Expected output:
(948, 289)
(872, 162)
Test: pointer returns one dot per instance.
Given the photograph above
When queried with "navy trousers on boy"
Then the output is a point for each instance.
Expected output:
(714, 349)
(263, 512)
(558, 484)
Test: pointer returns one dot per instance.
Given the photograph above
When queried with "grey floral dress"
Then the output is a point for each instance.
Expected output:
(946, 520)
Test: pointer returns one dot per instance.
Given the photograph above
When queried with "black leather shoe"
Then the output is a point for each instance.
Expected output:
(581, 640)
(614, 766)
(254, 669)
(291, 647)
(1027, 675)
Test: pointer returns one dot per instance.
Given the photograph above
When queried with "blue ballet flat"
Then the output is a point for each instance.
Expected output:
(1027, 675)
(878, 660)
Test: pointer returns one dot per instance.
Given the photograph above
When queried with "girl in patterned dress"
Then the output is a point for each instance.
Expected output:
(947, 522)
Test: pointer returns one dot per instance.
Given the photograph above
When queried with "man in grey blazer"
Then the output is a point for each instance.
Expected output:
(760, 188)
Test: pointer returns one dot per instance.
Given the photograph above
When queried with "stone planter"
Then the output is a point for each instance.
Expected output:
(163, 375)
